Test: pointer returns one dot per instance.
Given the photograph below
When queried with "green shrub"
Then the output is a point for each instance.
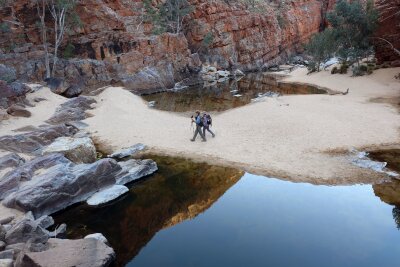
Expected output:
(334, 70)
(68, 51)
(343, 68)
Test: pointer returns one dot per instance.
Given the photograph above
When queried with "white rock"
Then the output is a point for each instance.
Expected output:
(98, 236)
(223, 73)
(6, 263)
(107, 195)
(238, 73)
(78, 150)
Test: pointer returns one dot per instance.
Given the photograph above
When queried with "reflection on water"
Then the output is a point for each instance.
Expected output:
(191, 214)
(179, 191)
(226, 95)
(391, 156)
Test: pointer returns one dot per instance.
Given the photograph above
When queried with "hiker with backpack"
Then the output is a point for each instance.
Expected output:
(207, 122)
(199, 124)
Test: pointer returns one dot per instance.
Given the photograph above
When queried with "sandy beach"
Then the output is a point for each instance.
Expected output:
(303, 138)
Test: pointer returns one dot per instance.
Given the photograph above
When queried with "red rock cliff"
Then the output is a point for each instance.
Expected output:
(389, 29)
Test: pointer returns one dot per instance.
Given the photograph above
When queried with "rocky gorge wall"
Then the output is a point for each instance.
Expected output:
(389, 29)
(114, 45)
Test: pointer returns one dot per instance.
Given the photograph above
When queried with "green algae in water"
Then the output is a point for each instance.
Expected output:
(227, 95)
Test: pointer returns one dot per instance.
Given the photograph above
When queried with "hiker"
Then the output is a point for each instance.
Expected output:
(199, 124)
(207, 122)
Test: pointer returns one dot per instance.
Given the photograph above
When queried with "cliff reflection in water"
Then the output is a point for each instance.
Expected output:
(389, 192)
(180, 190)
(227, 95)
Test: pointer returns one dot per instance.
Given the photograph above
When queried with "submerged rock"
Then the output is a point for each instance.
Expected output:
(35, 140)
(107, 195)
(135, 169)
(126, 152)
(87, 252)
(61, 186)
(77, 150)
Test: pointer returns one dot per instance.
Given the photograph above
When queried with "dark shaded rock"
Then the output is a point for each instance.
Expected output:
(39, 99)
(2, 246)
(11, 160)
(62, 186)
(32, 141)
(6, 90)
(72, 110)
(7, 254)
(135, 169)
(73, 91)
(26, 230)
(18, 111)
(126, 152)
(64, 252)
(11, 181)
(57, 85)
(2, 233)
(7, 73)
(20, 89)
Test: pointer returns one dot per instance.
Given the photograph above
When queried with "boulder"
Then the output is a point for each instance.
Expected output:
(35, 140)
(26, 230)
(7, 254)
(99, 237)
(57, 85)
(20, 89)
(25, 172)
(77, 150)
(73, 91)
(2, 245)
(87, 252)
(6, 90)
(107, 195)
(223, 73)
(72, 110)
(135, 169)
(126, 152)
(11, 160)
(6, 263)
(2, 233)
(18, 111)
(61, 186)
(7, 73)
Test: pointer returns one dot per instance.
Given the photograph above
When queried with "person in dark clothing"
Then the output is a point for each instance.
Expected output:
(207, 122)
(199, 124)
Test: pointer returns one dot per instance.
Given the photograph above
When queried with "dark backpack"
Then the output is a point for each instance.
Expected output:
(209, 119)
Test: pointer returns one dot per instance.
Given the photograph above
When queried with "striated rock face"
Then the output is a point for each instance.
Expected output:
(251, 40)
(389, 29)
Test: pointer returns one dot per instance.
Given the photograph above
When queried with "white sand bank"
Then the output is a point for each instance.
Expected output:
(286, 137)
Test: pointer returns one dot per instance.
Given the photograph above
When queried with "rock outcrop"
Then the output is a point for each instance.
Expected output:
(88, 252)
(115, 44)
(389, 29)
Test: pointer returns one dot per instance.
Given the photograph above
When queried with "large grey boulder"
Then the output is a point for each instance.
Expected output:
(126, 152)
(72, 110)
(57, 85)
(135, 169)
(61, 186)
(12, 181)
(26, 230)
(35, 140)
(7, 73)
(87, 252)
(77, 150)
(11, 160)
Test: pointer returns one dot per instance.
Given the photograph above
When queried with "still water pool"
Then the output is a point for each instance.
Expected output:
(194, 214)
(229, 94)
